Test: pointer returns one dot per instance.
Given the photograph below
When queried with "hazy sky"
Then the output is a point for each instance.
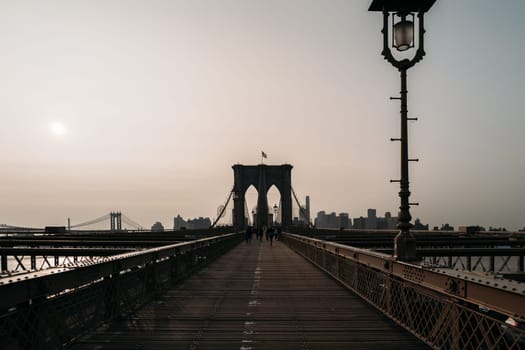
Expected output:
(156, 100)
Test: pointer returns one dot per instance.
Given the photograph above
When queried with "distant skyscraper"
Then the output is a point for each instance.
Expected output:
(371, 220)
(320, 220)
(344, 221)
(307, 209)
(178, 223)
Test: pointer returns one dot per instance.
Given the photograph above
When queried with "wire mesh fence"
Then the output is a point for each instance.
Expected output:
(440, 320)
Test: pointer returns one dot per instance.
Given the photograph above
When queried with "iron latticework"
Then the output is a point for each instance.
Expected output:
(440, 319)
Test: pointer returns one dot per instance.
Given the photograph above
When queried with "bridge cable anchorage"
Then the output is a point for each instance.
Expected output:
(301, 209)
(91, 222)
(219, 216)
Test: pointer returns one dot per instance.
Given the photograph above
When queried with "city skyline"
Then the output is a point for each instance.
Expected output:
(144, 108)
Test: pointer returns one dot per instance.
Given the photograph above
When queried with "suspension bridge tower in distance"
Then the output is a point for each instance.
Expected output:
(115, 220)
(262, 177)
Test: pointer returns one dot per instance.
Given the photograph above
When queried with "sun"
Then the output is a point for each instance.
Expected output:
(57, 128)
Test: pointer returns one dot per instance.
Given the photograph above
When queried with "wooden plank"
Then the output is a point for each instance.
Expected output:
(256, 296)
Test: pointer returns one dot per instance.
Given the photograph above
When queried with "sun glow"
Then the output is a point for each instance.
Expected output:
(57, 128)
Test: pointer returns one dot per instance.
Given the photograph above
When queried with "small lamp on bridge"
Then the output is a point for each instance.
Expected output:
(403, 39)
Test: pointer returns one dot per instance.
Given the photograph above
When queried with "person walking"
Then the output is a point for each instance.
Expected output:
(248, 234)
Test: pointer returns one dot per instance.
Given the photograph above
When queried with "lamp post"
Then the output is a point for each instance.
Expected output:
(401, 15)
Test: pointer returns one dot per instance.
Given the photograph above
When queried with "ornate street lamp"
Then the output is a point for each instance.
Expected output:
(401, 16)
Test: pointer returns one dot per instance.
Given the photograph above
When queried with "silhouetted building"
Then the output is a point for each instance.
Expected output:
(303, 216)
(387, 223)
(157, 227)
(307, 209)
(332, 220)
(344, 221)
(471, 229)
(55, 229)
(359, 223)
(179, 223)
(446, 227)
(296, 221)
(371, 220)
(419, 226)
(198, 223)
(191, 224)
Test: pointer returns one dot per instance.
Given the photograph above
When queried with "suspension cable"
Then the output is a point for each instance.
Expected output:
(11, 227)
(223, 209)
(301, 209)
(91, 222)
(132, 223)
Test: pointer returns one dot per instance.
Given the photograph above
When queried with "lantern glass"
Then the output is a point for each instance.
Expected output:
(404, 34)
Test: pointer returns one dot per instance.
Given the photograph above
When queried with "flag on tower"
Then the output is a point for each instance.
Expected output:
(263, 154)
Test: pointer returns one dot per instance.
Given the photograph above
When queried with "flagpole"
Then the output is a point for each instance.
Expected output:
(263, 155)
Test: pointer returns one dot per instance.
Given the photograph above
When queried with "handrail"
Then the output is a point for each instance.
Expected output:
(45, 283)
(504, 296)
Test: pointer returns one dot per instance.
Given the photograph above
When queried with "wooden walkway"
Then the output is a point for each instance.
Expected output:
(256, 296)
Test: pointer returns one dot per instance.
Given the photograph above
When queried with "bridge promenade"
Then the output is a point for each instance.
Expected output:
(210, 290)
(256, 296)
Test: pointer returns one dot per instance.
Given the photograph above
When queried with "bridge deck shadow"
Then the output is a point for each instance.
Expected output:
(256, 296)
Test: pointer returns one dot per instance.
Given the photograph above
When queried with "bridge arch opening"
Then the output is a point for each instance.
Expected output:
(274, 204)
(250, 198)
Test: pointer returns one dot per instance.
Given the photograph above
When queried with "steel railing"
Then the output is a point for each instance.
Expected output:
(48, 309)
(445, 309)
